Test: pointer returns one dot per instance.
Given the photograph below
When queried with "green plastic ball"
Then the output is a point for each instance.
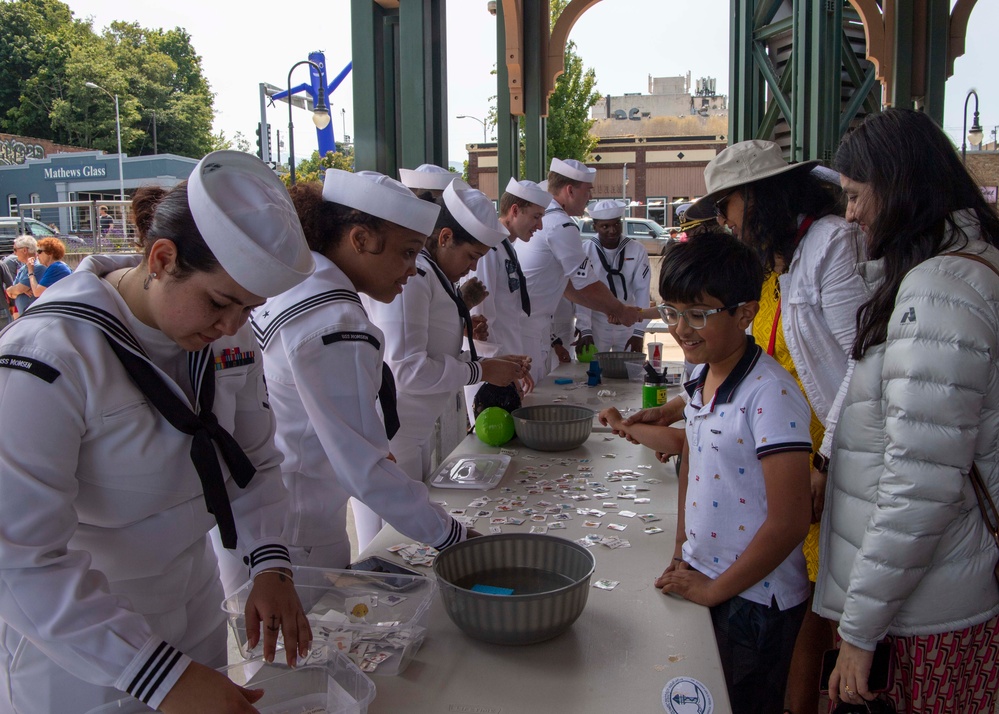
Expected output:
(586, 354)
(494, 426)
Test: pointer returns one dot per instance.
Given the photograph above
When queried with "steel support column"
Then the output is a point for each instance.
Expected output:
(400, 84)
(787, 75)
(507, 125)
(536, 34)
(422, 82)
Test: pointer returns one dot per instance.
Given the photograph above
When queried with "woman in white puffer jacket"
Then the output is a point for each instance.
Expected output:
(904, 549)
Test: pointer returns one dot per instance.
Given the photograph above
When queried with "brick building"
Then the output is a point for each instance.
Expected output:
(15, 149)
(655, 163)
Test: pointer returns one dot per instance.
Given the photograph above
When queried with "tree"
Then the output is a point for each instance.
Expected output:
(47, 57)
(313, 168)
(568, 123)
(569, 105)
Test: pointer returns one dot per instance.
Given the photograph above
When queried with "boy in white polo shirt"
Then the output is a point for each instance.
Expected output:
(744, 480)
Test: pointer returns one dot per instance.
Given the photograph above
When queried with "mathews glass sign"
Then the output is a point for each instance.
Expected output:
(87, 171)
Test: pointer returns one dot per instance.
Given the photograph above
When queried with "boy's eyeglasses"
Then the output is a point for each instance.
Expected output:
(696, 317)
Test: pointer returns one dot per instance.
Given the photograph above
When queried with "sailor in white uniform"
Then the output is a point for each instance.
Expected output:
(325, 374)
(427, 178)
(623, 264)
(555, 265)
(144, 423)
(424, 328)
(508, 304)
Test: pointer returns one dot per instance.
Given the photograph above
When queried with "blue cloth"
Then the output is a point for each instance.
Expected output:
(22, 301)
(55, 272)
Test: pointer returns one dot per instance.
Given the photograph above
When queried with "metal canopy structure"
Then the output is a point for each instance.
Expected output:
(801, 72)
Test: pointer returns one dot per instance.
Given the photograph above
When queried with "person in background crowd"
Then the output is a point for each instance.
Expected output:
(8, 272)
(904, 548)
(50, 254)
(623, 264)
(108, 582)
(105, 221)
(807, 319)
(427, 178)
(326, 377)
(424, 328)
(554, 264)
(25, 248)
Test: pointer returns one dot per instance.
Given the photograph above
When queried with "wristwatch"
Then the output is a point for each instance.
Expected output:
(820, 462)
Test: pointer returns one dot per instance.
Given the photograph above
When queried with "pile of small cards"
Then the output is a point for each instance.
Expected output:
(415, 553)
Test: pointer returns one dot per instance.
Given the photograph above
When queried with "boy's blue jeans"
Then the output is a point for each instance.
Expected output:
(755, 643)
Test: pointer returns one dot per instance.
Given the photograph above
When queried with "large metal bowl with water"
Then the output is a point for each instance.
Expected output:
(514, 588)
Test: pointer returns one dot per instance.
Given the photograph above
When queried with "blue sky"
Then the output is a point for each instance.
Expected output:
(623, 40)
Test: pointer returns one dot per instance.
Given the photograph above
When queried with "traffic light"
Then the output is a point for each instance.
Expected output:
(260, 149)
(264, 141)
(268, 145)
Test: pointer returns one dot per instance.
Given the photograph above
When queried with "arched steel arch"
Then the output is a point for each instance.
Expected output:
(801, 71)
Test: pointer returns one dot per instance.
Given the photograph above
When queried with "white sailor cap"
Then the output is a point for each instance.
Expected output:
(529, 191)
(427, 176)
(475, 213)
(381, 196)
(248, 221)
(575, 170)
(606, 210)
(543, 185)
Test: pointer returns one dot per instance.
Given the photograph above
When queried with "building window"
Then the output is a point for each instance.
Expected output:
(657, 210)
(11, 204)
(35, 198)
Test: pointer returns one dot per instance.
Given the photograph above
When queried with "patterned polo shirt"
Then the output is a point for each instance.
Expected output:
(758, 411)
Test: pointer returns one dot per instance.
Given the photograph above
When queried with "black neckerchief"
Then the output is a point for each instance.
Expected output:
(525, 299)
(203, 426)
(463, 313)
(611, 272)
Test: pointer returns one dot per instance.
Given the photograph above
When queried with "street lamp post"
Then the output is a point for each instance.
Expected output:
(466, 116)
(117, 121)
(975, 135)
(320, 116)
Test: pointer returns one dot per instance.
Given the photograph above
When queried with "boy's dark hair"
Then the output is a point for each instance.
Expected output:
(509, 200)
(714, 264)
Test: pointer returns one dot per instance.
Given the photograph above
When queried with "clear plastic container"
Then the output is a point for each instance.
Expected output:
(327, 683)
(376, 618)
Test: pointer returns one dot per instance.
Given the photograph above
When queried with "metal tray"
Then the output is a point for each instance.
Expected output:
(479, 473)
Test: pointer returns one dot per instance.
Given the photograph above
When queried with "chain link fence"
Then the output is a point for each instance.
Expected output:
(87, 226)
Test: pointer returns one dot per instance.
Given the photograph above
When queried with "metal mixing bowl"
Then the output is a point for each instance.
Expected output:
(612, 364)
(549, 576)
(552, 427)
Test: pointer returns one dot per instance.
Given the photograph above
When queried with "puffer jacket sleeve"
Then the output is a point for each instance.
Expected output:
(936, 375)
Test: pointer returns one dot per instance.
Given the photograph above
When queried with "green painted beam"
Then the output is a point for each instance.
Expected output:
(507, 133)
(937, 31)
(535, 96)
(422, 88)
(366, 36)
(415, 91)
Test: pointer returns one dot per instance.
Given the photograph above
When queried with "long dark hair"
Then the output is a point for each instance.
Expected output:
(773, 205)
(917, 182)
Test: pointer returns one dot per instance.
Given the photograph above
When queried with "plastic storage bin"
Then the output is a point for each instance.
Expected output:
(376, 618)
(328, 683)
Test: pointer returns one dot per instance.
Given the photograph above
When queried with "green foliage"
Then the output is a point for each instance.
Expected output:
(313, 168)
(569, 107)
(47, 56)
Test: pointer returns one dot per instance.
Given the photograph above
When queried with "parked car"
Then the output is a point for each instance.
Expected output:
(13, 226)
(646, 231)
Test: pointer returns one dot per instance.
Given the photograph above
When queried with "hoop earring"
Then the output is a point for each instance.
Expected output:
(148, 281)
